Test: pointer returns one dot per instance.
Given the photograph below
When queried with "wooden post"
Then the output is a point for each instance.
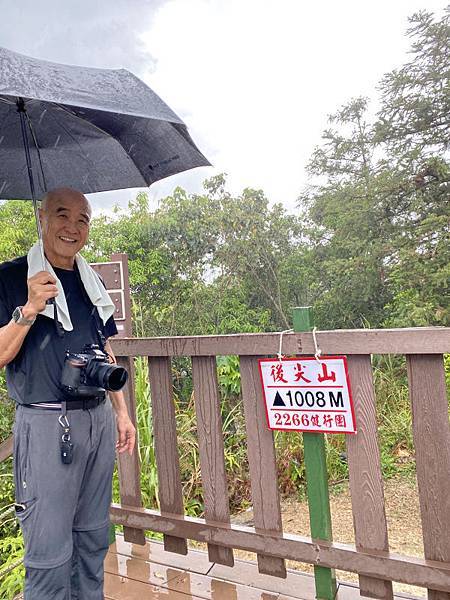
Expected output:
(431, 431)
(166, 449)
(317, 482)
(211, 450)
(115, 276)
(262, 464)
(365, 478)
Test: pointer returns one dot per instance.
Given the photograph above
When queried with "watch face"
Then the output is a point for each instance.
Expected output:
(19, 318)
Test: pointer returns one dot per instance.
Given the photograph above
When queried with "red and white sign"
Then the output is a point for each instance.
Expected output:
(306, 394)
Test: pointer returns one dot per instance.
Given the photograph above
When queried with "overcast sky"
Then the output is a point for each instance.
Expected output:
(254, 80)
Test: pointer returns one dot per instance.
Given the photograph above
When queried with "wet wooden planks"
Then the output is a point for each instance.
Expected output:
(134, 573)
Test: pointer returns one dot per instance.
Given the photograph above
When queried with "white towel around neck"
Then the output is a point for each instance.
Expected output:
(91, 281)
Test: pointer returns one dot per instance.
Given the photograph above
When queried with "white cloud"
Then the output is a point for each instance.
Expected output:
(91, 33)
(254, 80)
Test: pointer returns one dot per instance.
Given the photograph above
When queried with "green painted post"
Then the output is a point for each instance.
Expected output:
(317, 482)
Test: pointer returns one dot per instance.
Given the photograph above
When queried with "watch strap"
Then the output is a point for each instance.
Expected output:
(20, 319)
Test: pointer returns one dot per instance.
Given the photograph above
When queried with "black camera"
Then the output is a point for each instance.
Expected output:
(89, 373)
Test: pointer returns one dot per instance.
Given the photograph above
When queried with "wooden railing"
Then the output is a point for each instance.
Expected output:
(370, 557)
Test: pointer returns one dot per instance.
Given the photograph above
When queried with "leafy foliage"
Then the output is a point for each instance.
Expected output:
(378, 220)
(11, 549)
(415, 111)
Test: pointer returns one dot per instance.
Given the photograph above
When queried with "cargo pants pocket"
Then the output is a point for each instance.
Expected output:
(24, 489)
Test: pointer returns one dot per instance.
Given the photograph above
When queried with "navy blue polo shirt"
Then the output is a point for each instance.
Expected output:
(34, 375)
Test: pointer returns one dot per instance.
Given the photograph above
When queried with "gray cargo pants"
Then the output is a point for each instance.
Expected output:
(65, 516)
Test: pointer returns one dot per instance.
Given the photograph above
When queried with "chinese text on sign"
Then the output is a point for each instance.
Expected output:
(306, 394)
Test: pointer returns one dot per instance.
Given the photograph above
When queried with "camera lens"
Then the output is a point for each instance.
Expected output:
(116, 379)
(109, 377)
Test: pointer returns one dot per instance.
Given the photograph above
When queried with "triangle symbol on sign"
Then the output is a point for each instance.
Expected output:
(278, 400)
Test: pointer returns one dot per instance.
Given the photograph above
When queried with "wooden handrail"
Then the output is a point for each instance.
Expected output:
(418, 340)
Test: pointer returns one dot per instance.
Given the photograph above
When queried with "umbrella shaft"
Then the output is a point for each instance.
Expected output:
(21, 111)
(39, 232)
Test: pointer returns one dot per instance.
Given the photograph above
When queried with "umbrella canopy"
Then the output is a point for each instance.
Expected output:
(89, 129)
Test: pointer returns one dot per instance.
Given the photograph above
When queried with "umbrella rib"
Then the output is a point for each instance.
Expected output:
(65, 109)
(38, 150)
(62, 107)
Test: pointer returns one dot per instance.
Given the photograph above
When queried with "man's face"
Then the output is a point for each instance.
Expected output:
(65, 226)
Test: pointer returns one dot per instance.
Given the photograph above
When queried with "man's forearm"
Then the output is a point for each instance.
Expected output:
(119, 404)
(12, 337)
(41, 287)
(126, 430)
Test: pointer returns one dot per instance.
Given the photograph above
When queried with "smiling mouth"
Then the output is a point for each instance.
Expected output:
(67, 240)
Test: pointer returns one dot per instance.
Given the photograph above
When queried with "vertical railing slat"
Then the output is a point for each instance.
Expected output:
(366, 483)
(262, 463)
(166, 447)
(211, 450)
(128, 466)
(431, 431)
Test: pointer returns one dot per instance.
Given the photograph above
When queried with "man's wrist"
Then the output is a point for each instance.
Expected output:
(29, 312)
(122, 414)
(118, 403)
(22, 319)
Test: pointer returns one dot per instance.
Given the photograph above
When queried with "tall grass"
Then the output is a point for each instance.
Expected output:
(394, 425)
(394, 415)
(233, 428)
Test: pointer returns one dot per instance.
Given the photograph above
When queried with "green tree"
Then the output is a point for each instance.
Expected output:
(349, 235)
(18, 229)
(415, 100)
(253, 249)
(204, 263)
(414, 126)
(378, 221)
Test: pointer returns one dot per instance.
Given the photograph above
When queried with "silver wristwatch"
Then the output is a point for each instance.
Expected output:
(20, 319)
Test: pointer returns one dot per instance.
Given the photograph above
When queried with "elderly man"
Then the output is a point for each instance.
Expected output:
(64, 447)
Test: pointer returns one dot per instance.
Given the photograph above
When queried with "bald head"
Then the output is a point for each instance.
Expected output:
(65, 193)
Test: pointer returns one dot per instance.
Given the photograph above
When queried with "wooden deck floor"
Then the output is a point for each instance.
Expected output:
(149, 573)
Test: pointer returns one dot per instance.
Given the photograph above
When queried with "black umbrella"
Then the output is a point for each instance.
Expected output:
(88, 129)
